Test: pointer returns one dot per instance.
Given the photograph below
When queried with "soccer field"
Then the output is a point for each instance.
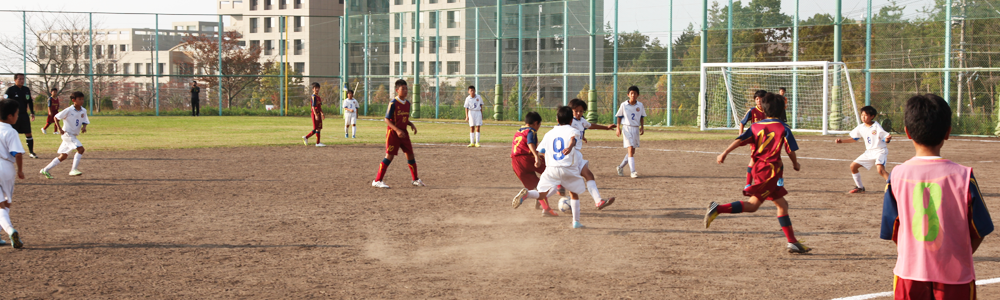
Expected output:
(237, 207)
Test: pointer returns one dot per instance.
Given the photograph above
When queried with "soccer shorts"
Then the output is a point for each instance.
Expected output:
(394, 143)
(51, 118)
(768, 183)
(569, 178)
(69, 143)
(630, 136)
(7, 174)
(350, 119)
(317, 122)
(475, 118)
(524, 168)
(873, 157)
(921, 290)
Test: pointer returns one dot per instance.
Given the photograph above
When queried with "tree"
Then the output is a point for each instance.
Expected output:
(237, 61)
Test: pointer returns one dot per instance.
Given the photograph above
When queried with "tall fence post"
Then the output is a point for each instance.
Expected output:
(90, 56)
(670, 66)
(592, 93)
(868, 55)
(24, 40)
(477, 50)
(703, 59)
(565, 51)
(498, 98)
(281, 66)
(614, 74)
(947, 51)
(795, 74)
(520, 59)
(366, 64)
(220, 65)
(415, 113)
(437, 63)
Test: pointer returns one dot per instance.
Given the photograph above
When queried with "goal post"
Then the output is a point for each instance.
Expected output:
(819, 93)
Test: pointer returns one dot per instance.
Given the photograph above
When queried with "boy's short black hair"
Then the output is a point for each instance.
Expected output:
(7, 107)
(472, 87)
(532, 117)
(76, 95)
(773, 105)
(633, 88)
(194, 81)
(869, 110)
(927, 119)
(53, 90)
(782, 89)
(17, 75)
(399, 83)
(565, 115)
(350, 91)
(759, 93)
(577, 103)
(314, 85)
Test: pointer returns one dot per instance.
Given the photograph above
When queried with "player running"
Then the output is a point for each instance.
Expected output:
(562, 163)
(754, 114)
(526, 160)
(75, 122)
(397, 117)
(579, 123)
(876, 148)
(631, 121)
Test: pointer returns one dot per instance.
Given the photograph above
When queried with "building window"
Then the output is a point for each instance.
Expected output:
(121, 48)
(97, 52)
(452, 19)
(267, 24)
(253, 25)
(298, 22)
(453, 44)
(299, 67)
(400, 44)
(125, 69)
(398, 20)
(282, 4)
(432, 1)
(557, 19)
(111, 69)
(432, 19)
(454, 67)
(138, 69)
(267, 4)
(254, 44)
(298, 47)
(298, 4)
(149, 69)
(267, 47)
(159, 68)
(253, 4)
(413, 21)
(432, 45)
(398, 2)
(452, 1)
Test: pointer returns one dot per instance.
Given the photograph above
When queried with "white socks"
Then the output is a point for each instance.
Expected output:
(477, 137)
(55, 161)
(345, 129)
(624, 162)
(5, 220)
(592, 188)
(354, 130)
(631, 164)
(857, 180)
(472, 137)
(76, 160)
(575, 204)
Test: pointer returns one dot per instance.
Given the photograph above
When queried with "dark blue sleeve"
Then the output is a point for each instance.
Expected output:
(890, 214)
(746, 118)
(532, 138)
(747, 134)
(982, 224)
(391, 112)
(790, 139)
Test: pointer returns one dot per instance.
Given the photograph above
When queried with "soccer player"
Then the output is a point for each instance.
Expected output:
(876, 150)
(75, 122)
(526, 160)
(351, 114)
(317, 116)
(562, 163)
(53, 109)
(579, 123)
(195, 102)
(768, 137)
(397, 117)
(933, 211)
(474, 114)
(781, 92)
(631, 121)
(754, 114)
(22, 94)
(10, 155)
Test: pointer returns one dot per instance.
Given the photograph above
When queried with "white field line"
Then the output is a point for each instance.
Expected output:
(888, 294)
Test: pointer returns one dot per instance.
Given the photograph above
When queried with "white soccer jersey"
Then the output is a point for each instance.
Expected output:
(350, 104)
(631, 115)
(873, 136)
(580, 125)
(10, 144)
(73, 119)
(474, 103)
(554, 142)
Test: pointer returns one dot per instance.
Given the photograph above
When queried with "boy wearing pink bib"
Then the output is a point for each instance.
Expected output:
(933, 211)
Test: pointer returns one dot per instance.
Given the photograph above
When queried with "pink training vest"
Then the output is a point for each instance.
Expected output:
(932, 196)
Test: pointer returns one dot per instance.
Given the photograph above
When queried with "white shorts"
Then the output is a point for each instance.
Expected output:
(630, 136)
(568, 177)
(7, 173)
(350, 119)
(873, 157)
(475, 118)
(69, 143)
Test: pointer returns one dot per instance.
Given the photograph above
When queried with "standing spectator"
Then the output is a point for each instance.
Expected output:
(22, 94)
(195, 103)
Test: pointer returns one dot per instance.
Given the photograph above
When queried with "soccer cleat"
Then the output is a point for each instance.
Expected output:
(798, 247)
(32, 155)
(471, 145)
(477, 145)
(605, 203)
(43, 130)
(577, 225)
(418, 182)
(380, 185)
(15, 240)
(621, 170)
(635, 175)
(320, 145)
(857, 190)
(549, 213)
(345, 135)
(305, 140)
(519, 198)
(561, 190)
(713, 211)
(55, 132)
(354, 136)
(75, 172)
(46, 174)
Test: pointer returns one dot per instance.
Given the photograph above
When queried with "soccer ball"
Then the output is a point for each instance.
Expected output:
(564, 205)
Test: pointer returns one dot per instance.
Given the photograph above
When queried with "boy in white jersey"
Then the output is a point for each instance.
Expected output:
(10, 155)
(631, 123)
(581, 124)
(876, 150)
(75, 122)
(561, 163)
(350, 114)
(474, 114)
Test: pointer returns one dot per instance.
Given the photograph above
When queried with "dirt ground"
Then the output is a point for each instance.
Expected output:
(304, 222)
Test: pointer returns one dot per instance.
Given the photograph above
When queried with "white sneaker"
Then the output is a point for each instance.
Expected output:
(320, 145)
(75, 172)
(635, 175)
(418, 182)
(305, 140)
(621, 170)
(379, 184)
(43, 131)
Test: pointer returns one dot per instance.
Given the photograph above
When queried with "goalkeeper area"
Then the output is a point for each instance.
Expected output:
(820, 95)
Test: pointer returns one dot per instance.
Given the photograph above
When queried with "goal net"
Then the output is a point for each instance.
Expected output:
(819, 93)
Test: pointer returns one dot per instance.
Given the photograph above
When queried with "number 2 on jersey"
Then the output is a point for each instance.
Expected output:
(558, 145)
(933, 191)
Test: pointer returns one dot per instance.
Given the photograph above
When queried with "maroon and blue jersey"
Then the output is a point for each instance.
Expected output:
(768, 137)
(524, 136)
(316, 104)
(398, 113)
(754, 115)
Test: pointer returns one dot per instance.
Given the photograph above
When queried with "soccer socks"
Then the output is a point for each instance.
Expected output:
(76, 160)
(311, 133)
(413, 169)
(624, 162)
(5, 220)
(592, 188)
(631, 164)
(749, 176)
(55, 161)
(730, 208)
(857, 180)
(477, 137)
(317, 136)
(31, 145)
(354, 130)
(381, 169)
(786, 226)
(472, 137)
(575, 204)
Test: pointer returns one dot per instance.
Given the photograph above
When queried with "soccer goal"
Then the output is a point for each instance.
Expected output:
(819, 93)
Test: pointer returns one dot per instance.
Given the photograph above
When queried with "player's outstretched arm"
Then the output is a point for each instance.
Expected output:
(845, 141)
(794, 159)
(722, 157)
(569, 149)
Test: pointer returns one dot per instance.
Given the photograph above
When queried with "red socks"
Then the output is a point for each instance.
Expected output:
(731, 208)
(413, 169)
(786, 227)
(381, 169)
(317, 137)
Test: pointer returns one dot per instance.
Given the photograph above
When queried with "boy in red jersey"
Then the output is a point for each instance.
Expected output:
(754, 114)
(397, 117)
(934, 211)
(526, 161)
(767, 137)
(53, 109)
(317, 116)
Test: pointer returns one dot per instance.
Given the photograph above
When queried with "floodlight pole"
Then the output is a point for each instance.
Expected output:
(437, 63)
(498, 98)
